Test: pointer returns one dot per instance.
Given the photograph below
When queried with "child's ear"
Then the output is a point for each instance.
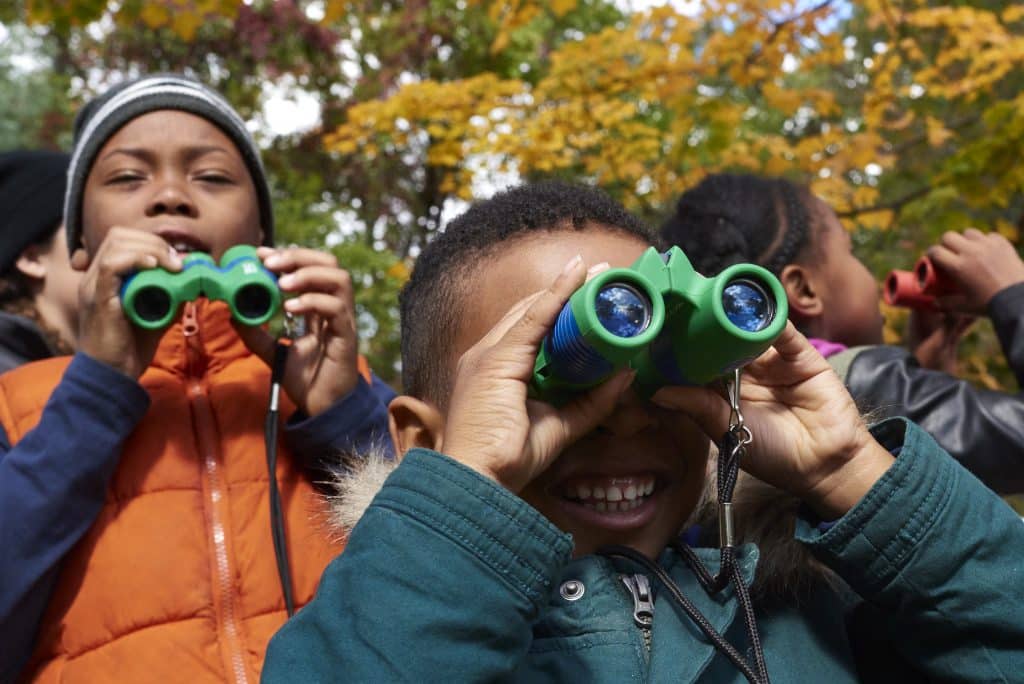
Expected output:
(31, 263)
(414, 423)
(802, 292)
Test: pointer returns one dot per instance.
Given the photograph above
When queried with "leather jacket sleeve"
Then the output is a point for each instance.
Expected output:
(1007, 313)
(982, 429)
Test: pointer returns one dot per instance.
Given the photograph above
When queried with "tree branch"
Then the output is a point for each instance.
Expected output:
(777, 29)
(894, 205)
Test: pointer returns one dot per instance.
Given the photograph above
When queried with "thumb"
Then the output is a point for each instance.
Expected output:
(710, 411)
(560, 428)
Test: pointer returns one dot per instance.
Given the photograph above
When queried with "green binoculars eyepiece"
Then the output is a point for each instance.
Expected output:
(660, 317)
(151, 299)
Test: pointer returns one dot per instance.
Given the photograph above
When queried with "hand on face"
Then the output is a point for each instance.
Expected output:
(979, 265)
(491, 426)
(809, 438)
(105, 333)
(321, 366)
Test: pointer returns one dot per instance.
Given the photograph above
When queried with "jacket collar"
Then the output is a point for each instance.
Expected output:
(202, 339)
(22, 339)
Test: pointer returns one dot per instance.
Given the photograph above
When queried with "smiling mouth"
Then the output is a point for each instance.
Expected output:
(610, 494)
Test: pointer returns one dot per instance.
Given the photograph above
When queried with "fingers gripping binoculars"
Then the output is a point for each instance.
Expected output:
(660, 317)
(151, 299)
(915, 289)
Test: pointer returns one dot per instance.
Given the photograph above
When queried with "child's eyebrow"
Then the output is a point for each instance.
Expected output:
(139, 153)
(188, 154)
(192, 153)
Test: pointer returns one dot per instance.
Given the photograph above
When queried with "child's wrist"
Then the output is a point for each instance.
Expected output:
(843, 488)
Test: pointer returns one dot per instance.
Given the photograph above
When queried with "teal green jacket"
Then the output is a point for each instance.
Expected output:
(450, 578)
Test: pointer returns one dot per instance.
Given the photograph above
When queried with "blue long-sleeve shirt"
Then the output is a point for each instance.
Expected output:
(53, 482)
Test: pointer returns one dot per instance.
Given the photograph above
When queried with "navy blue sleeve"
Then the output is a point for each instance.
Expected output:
(52, 486)
(353, 425)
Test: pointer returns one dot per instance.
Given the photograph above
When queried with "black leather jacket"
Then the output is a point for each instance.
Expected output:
(21, 341)
(982, 429)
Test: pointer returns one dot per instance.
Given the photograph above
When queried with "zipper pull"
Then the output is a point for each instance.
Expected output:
(643, 601)
(189, 320)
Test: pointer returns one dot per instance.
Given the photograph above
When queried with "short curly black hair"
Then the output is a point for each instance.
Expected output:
(732, 218)
(433, 300)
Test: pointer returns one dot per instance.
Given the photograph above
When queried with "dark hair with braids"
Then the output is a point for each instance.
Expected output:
(728, 219)
(433, 301)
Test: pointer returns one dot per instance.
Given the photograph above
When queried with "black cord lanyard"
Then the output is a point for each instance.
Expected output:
(277, 529)
(730, 451)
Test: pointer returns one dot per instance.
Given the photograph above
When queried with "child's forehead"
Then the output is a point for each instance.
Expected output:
(171, 128)
(530, 263)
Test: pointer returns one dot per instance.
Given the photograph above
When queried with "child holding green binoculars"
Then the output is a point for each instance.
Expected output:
(520, 541)
(137, 543)
(728, 219)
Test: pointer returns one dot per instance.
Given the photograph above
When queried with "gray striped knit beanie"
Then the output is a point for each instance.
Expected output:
(103, 116)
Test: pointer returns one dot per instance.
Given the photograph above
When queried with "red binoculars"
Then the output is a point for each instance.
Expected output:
(915, 289)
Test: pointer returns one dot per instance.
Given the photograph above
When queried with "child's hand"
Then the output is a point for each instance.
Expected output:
(809, 438)
(934, 338)
(490, 425)
(104, 333)
(979, 265)
(321, 367)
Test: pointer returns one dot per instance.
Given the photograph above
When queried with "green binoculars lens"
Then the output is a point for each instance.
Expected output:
(748, 305)
(253, 301)
(622, 309)
(152, 304)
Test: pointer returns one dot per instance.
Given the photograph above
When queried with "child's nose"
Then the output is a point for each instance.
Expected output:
(631, 416)
(171, 198)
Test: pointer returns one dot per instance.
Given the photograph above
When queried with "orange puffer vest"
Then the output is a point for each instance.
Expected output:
(176, 580)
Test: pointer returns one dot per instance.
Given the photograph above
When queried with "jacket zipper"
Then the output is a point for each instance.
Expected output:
(643, 605)
(206, 441)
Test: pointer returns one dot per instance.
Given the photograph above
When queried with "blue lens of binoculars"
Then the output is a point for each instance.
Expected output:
(747, 305)
(622, 310)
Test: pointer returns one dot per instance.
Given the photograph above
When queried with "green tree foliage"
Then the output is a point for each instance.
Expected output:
(905, 115)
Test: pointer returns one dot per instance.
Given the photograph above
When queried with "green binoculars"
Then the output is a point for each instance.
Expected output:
(151, 299)
(661, 318)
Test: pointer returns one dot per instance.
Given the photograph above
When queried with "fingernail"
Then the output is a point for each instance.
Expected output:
(571, 266)
(286, 281)
(597, 268)
(272, 260)
(291, 304)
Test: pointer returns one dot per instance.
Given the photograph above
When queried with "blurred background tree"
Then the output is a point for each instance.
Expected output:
(906, 115)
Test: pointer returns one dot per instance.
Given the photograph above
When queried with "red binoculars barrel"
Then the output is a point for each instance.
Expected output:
(915, 289)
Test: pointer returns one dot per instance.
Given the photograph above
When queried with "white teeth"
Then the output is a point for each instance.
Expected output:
(649, 487)
(614, 494)
(583, 492)
(630, 492)
(598, 493)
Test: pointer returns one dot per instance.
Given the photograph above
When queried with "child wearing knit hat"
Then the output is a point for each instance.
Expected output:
(38, 288)
(141, 493)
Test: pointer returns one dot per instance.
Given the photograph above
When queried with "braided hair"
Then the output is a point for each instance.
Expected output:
(729, 219)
